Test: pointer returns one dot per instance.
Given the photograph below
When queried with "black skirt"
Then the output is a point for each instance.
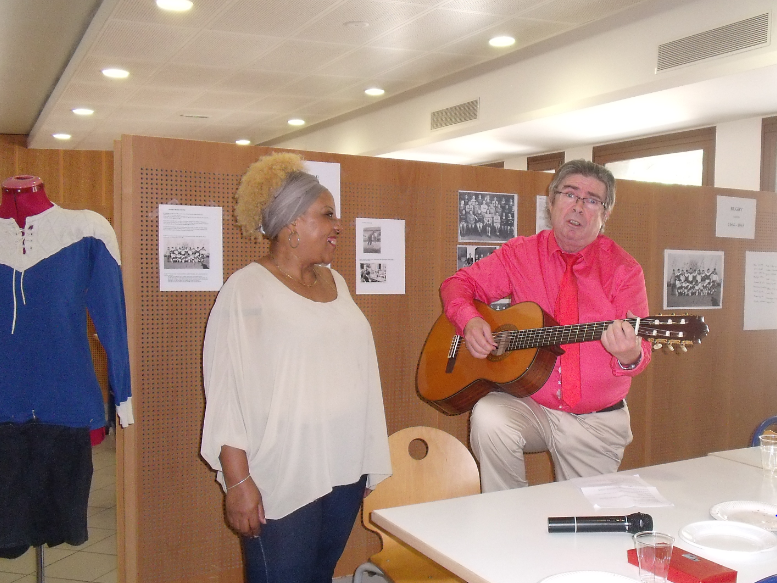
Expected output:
(45, 476)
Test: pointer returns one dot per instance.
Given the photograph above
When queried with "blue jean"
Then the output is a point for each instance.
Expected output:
(304, 546)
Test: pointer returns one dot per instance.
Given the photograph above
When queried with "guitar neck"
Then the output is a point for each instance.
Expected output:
(555, 335)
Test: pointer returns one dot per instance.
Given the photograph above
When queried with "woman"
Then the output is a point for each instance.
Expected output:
(294, 422)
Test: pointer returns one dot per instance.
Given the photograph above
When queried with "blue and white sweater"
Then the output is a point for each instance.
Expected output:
(63, 263)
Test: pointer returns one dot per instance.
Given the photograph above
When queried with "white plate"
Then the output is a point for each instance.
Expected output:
(756, 513)
(587, 577)
(731, 537)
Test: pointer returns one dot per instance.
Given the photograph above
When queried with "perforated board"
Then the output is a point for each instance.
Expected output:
(170, 505)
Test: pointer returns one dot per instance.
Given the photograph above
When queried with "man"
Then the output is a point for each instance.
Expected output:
(579, 415)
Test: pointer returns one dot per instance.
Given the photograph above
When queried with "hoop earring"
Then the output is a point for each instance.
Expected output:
(297, 235)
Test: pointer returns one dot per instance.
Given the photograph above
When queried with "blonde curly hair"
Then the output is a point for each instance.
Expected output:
(259, 186)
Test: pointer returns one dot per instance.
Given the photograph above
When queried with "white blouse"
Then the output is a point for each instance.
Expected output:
(295, 384)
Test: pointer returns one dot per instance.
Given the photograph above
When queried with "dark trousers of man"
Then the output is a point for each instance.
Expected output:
(304, 546)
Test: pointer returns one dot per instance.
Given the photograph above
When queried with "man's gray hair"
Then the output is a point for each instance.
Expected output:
(293, 198)
(589, 169)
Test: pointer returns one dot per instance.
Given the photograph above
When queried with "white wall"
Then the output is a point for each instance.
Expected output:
(738, 154)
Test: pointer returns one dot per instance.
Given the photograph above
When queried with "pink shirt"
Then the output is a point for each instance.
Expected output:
(610, 283)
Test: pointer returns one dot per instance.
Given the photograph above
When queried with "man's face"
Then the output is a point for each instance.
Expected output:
(576, 223)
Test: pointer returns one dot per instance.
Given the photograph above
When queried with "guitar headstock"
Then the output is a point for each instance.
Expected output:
(672, 332)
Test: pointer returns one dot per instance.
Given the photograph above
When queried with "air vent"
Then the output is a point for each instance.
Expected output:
(460, 113)
(746, 34)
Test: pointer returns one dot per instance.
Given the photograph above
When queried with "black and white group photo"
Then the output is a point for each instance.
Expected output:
(187, 253)
(693, 279)
(486, 216)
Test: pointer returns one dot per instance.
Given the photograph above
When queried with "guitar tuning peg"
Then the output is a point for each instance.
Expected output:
(669, 348)
(683, 349)
(656, 345)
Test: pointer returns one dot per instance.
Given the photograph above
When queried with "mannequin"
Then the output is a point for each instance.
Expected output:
(55, 265)
(23, 196)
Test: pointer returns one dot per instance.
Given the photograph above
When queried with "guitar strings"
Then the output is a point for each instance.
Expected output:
(569, 334)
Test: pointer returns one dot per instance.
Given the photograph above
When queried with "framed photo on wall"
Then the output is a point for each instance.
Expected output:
(487, 216)
(693, 279)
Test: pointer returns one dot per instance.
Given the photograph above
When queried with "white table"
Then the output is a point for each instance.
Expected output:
(747, 455)
(502, 537)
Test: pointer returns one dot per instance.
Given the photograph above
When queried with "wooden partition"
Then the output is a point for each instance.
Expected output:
(170, 508)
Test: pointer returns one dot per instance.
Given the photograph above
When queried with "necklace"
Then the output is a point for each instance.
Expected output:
(294, 279)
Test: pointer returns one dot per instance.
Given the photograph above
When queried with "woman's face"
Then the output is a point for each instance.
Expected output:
(318, 228)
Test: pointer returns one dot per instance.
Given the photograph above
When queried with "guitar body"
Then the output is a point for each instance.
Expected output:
(520, 372)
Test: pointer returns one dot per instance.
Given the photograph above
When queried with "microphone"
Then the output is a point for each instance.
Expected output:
(633, 523)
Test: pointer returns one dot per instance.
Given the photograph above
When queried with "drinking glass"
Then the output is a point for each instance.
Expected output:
(769, 452)
(654, 551)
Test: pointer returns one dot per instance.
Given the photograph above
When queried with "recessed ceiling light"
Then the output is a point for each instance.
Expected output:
(502, 41)
(83, 111)
(174, 5)
(62, 136)
(296, 122)
(374, 91)
(356, 24)
(116, 73)
(243, 142)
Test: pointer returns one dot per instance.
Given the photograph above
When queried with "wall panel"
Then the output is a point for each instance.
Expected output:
(708, 399)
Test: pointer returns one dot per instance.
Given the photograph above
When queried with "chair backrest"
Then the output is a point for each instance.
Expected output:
(759, 431)
(447, 471)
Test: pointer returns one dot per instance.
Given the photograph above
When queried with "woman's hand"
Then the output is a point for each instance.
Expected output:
(244, 509)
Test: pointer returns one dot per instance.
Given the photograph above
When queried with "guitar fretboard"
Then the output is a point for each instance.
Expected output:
(553, 335)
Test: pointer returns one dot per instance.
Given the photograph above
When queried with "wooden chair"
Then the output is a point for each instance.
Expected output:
(448, 470)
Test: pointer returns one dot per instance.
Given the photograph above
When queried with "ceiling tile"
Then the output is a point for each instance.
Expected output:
(260, 82)
(369, 61)
(93, 93)
(381, 17)
(217, 48)
(147, 11)
(140, 41)
(317, 86)
(191, 76)
(271, 17)
(162, 96)
(525, 31)
(90, 71)
(300, 56)
(432, 67)
(498, 7)
(281, 104)
(222, 100)
(576, 12)
(435, 29)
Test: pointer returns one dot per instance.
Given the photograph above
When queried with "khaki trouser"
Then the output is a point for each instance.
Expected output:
(503, 427)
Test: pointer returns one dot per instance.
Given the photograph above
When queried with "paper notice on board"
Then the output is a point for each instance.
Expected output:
(735, 217)
(190, 248)
(380, 256)
(760, 290)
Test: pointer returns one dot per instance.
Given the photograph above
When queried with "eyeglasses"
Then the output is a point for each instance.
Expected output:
(588, 202)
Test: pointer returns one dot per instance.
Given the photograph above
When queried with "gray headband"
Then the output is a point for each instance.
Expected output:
(293, 198)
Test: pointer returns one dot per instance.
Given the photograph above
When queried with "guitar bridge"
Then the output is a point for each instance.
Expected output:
(452, 353)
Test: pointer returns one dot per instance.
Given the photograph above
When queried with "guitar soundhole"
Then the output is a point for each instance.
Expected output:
(502, 351)
(417, 449)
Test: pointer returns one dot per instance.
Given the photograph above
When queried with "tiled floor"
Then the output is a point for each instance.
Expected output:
(95, 560)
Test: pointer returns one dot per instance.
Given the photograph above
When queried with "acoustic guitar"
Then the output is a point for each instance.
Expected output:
(527, 339)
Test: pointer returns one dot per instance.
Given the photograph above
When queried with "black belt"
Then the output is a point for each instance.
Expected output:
(619, 405)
